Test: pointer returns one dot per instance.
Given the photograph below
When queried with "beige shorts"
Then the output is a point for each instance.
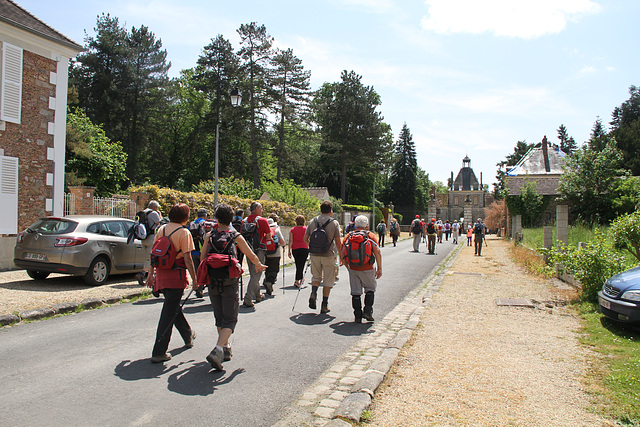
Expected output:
(323, 270)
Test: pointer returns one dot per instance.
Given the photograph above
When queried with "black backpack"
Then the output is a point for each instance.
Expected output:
(381, 228)
(415, 226)
(431, 228)
(237, 223)
(222, 242)
(477, 229)
(249, 231)
(319, 242)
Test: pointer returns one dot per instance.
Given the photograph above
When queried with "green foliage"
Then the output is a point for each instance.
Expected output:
(229, 186)
(168, 197)
(625, 130)
(625, 231)
(402, 182)
(529, 203)
(588, 180)
(398, 217)
(592, 264)
(288, 192)
(91, 157)
(627, 195)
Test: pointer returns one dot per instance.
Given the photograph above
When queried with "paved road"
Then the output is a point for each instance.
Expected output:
(93, 368)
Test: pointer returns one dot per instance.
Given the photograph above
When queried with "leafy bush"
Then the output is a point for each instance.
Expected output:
(625, 231)
(592, 264)
(288, 192)
(229, 186)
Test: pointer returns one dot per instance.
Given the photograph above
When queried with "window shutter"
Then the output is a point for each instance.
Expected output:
(11, 99)
(9, 195)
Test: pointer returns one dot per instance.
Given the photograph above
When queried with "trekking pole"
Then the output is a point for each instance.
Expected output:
(301, 283)
(283, 281)
(241, 287)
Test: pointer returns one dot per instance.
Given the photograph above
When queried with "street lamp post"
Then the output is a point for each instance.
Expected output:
(236, 99)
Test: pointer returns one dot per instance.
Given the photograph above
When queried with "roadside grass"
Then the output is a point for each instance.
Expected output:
(613, 378)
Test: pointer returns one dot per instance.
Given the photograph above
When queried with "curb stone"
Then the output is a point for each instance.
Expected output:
(375, 354)
(64, 307)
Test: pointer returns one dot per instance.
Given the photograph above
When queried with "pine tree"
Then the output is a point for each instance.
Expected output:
(403, 174)
(567, 143)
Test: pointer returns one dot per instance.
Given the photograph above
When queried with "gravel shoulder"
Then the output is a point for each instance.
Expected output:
(472, 362)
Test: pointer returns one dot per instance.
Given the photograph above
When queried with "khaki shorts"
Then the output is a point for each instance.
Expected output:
(323, 270)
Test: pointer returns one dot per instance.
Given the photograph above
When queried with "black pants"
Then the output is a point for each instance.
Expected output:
(271, 273)
(171, 315)
(300, 255)
(381, 239)
(478, 244)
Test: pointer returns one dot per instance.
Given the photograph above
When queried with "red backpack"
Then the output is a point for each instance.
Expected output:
(272, 245)
(163, 253)
(358, 249)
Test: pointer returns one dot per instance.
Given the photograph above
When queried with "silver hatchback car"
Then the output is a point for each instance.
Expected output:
(82, 245)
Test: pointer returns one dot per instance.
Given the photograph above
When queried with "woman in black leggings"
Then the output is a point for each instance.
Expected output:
(298, 248)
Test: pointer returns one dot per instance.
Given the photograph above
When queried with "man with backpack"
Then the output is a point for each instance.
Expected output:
(359, 252)
(382, 231)
(416, 230)
(256, 232)
(150, 219)
(323, 231)
(478, 233)
(432, 230)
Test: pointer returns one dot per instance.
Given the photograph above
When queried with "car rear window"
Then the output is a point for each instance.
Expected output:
(53, 226)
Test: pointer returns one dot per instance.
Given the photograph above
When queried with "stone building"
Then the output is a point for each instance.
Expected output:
(464, 199)
(33, 108)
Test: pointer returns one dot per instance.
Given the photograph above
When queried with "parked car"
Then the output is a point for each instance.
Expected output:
(84, 245)
(619, 298)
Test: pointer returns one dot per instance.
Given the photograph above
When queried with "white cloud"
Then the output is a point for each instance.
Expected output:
(522, 18)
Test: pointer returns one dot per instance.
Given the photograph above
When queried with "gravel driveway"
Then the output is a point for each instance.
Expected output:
(475, 363)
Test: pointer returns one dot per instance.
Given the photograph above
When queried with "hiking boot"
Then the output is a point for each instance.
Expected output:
(189, 342)
(312, 300)
(368, 317)
(215, 358)
(259, 297)
(269, 287)
(324, 308)
(140, 278)
(227, 354)
(200, 292)
(247, 302)
(161, 358)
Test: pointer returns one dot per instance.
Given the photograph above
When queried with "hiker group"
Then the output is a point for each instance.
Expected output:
(212, 252)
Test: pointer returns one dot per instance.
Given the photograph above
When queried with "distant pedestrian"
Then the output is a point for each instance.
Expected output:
(195, 227)
(416, 230)
(321, 234)
(394, 230)
(382, 231)
(439, 230)
(359, 252)
(455, 230)
(447, 230)
(432, 232)
(469, 234)
(298, 248)
(274, 252)
(256, 231)
(153, 222)
(478, 231)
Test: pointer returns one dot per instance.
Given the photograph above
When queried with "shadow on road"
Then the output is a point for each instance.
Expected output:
(199, 380)
(351, 328)
(311, 319)
(141, 369)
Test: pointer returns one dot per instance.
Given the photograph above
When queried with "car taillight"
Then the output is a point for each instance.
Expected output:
(70, 241)
(20, 237)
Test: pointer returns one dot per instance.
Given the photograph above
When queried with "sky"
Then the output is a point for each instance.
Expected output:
(468, 77)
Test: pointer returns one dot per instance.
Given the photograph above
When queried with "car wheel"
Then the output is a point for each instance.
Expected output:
(38, 275)
(98, 272)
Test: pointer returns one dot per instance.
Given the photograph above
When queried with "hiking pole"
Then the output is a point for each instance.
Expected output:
(283, 281)
(300, 287)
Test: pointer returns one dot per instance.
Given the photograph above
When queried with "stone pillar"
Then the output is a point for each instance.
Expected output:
(517, 227)
(562, 225)
(468, 214)
(433, 210)
(141, 198)
(81, 200)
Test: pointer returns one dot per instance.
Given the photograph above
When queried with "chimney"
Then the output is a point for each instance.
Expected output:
(545, 154)
(451, 181)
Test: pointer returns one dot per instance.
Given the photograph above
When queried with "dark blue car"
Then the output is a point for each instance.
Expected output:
(620, 297)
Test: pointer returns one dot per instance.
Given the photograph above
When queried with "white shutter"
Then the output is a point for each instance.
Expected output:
(9, 195)
(11, 99)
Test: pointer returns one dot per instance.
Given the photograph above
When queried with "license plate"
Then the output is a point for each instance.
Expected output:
(34, 256)
(606, 304)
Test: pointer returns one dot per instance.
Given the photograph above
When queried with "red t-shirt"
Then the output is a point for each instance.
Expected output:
(297, 237)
